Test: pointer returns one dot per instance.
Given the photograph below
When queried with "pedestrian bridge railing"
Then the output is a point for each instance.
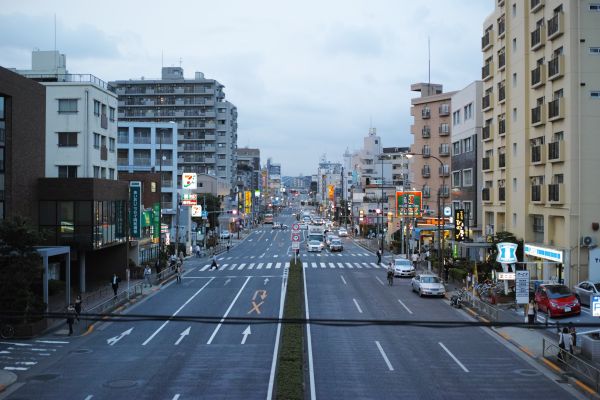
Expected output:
(572, 364)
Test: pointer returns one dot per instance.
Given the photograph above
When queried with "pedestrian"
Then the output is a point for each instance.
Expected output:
(197, 250)
(178, 273)
(78, 303)
(565, 343)
(228, 244)
(531, 312)
(114, 281)
(70, 317)
(469, 278)
(214, 263)
(147, 275)
(415, 260)
(378, 256)
(573, 333)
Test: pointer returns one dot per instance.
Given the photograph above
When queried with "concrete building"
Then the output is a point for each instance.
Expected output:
(431, 139)
(248, 168)
(22, 141)
(541, 112)
(207, 124)
(400, 164)
(465, 174)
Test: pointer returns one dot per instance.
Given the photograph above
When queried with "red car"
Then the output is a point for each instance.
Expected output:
(557, 300)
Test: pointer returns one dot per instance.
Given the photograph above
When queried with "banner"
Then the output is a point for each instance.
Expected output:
(459, 225)
(248, 203)
(408, 204)
(156, 221)
(135, 207)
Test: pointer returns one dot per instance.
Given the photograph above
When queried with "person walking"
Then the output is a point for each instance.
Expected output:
(378, 256)
(390, 274)
(114, 281)
(78, 303)
(178, 273)
(70, 317)
(415, 260)
(147, 276)
(565, 343)
(531, 312)
(214, 263)
(573, 333)
(197, 250)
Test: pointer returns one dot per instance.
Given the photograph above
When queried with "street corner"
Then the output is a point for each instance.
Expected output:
(7, 378)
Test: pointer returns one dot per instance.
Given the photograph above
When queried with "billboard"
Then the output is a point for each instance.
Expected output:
(331, 192)
(189, 199)
(459, 225)
(248, 202)
(408, 204)
(156, 221)
(196, 211)
(135, 206)
(189, 180)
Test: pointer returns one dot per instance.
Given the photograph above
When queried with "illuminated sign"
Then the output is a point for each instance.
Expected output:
(459, 225)
(135, 207)
(331, 192)
(189, 180)
(248, 202)
(196, 211)
(189, 199)
(408, 204)
(506, 276)
(545, 253)
(507, 253)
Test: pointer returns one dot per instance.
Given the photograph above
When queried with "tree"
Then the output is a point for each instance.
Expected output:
(20, 271)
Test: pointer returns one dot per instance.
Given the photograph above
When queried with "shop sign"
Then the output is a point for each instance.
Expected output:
(189, 180)
(156, 220)
(408, 204)
(196, 211)
(507, 253)
(522, 287)
(459, 225)
(135, 204)
(189, 199)
(543, 252)
(506, 276)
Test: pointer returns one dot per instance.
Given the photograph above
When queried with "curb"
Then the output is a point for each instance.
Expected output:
(7, 378)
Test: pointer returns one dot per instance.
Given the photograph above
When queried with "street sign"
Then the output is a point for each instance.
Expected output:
(295, 237)
(595, 306)
(204, 214)
(295, 227)
(506, 276)
(295, 245)
(522, 287)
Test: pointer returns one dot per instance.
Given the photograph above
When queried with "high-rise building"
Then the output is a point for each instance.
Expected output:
(206, 122)
(541, 105)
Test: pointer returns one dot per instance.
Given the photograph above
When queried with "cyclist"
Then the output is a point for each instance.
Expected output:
(390, 274)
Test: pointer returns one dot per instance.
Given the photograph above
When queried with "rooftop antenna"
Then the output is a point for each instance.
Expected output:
(180, 61)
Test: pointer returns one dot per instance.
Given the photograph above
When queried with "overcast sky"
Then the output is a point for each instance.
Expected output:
(308, 77)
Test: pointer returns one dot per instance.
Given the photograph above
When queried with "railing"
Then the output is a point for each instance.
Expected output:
(425, 173)
(426, 113)
(501, 60)
(537, 38)
(536, 115)
(482, 307)
(572, 363)
(110, 304)
(71, 78)
(554, 150)
(426, 132)
(555, 109)
(501, 93)
(486, 40)
(556, 67)
(536, 154)
(536, 193)
(486, 71)
(501, 127)
(534, 5)
(555, 26)
(501, 27)
(486, 101)
(538, 76)
(444, 109)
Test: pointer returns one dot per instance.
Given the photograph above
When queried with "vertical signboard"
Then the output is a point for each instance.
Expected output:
(120, 218)
(459, 225)
(156, 221)
(189, 180)
(522, 287)
(248, 203)
(408, 204)
(331, 192)
(135, 207)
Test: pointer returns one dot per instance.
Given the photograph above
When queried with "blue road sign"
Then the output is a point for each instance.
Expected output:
(204, 214)
(595, 306)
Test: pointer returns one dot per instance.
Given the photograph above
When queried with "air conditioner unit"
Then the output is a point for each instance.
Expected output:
(588, 241)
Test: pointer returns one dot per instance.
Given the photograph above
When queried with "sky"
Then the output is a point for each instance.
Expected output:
(308, 77)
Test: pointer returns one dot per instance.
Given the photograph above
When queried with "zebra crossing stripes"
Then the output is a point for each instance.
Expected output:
(269, 265)
(323, 265)
(306, 264)
(313, 264)
(205, 267)
(241, 266)
(375, 265)
(340, 265)
(232, 267)
(224, 266)
(251, 266)
(331, 265)
(349, 265)
(278, 265)
(259, 266)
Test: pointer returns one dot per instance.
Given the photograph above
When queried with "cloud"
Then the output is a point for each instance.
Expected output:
(353, 41)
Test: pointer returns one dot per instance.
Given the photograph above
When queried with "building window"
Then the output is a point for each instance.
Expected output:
(595, 7)
(67, 106)
(468, 109)
(456, 148)
(67, 171)
(514, 79)
(111, 111)
(103, 173)
(456, 117)
(67, 139)
(595, 50)
(123, 135)
(221, 145)
(96, 108)
(538, 223)
(96, 140)
(467, 177)
(111, 145)
(104, 109)
(96, 172)
(221, 156)
(455, 178)
(595, 94)
(514, 184)
(103, 141)
(514, 10)
(514, 44)
(111, 173)
(1, 163)
(468, 144)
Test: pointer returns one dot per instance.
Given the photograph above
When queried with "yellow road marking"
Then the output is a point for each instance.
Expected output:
(552, 365)
(584, 386)
(526, 350)
(504, 335)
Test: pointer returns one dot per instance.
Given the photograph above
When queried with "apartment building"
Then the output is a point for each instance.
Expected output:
(541, 110)
(400, 174)
(431, 143)
(248, 168)
(206, 123)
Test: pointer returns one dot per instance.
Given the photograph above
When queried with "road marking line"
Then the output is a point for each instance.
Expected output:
(227, 312)
(375, 265)
(278, 334)
(176, 397)
(322, 265)
(287, 265)
(358, 266)
(380, 281)
(552, 365)
(205, 267)
(357, 306)
(584, 387)
(52, 341)
(340, 265)
(259, 266)
(177, 312)
(313, 264)
(453, 357)
(232, 267)
(278, 265)
(89, 397)
(269, 265)
(343, 280)
(404, 305)
(223, 267)
(241, 266)
(349, 265)
(311, 371)
(331, 265)
(387, 361)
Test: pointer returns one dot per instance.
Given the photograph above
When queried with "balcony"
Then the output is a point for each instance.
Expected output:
(487, 71)
(444, 191)
(501, 194)
(538, 115)
(426, 151)
(556, 151)
(556, 67)
(486, 102)
(487, 163)
(444, 150)
(486, 195)
(444, 110)
(556, 110)
(426, 193)
(425, 172)
(502, 160)
(537, 194)
(538, 38)
(486, 133)
(556, 193)
(166, 205)
(486, 40)
(426, 113)
(536, 5)
(556, 26)
(426, 132)
(501, 61)
(141, 162)
(444, 130)
(538, 154)
(501, 127)
(501, 27)
(538, 76)
(501, 94)
(444, 171)
(122, 162)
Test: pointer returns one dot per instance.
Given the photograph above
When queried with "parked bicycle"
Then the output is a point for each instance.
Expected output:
(7, 331)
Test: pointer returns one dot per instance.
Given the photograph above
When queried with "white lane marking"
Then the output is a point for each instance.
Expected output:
(278, 265)
(251, 266)
(229, 258)
(227, 312)
(16, 368)
(176, 397)
(259, 266)
(287, 265)
(251, 256)
(340, 265)
(375, 265)
(349, 265)
(366, 265)
(205, 267)
(453, 357)
(276, 255)
(387, 361)
(223, 267)
(17, 344)
(89, 397)
(331, 265)
(358, 265)
(304, 265)
(343, 280)
(241, 266)
(52, 341)
(357, 306)
(177, 312)
(380, 281)
(182, 335)
(26, 362)
(311, 370)
(313, 264)
(404, 305)
(269, 265)
(323, 265)
(232, 267)
(276, 348)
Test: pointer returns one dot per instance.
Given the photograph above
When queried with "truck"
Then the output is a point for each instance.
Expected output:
(316, 232)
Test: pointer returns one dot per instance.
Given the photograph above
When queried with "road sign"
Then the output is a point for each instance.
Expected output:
(595, 306)
(447, 211)
(295, 227)
(295, 237)
(522, 287)
(506, 276)
(204, 214)
(295, 245)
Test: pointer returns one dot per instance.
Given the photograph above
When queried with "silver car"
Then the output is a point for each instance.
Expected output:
(585, 290)
(403, 267)
(428, 285)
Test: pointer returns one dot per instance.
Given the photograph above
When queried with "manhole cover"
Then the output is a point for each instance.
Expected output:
(527, 372)
(81, 351)
(121, 383)
(44, 377)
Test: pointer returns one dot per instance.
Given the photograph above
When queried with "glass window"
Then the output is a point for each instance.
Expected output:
(456, 148)
(1, 160)
(47, 213)
(66, 217)
(456, 178)
(111, 145)
(97, 140)
(123, 135)
(111, 173)
(83, 211)
(67, 105)
(112, 113)
(96, 171)
(468, 144)
(1, 107)
(96, 107)
(67, 139)
(67, 171)
(467, 177)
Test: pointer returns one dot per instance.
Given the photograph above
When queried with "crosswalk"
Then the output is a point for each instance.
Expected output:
(18, 356)
(316, 255)
(306, 265)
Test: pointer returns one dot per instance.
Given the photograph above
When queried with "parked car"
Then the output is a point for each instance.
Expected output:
(342, 232)
(336, 245)
(428, 285)
(224, 234)
(314, 245)
(585, 290)
(403, 267)
(557, 300)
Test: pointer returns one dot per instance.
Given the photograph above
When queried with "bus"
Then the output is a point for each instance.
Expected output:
(268, 219)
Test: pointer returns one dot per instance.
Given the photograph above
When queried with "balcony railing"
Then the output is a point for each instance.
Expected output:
(556, 67)
(555, 26)
(426, 113)
(444, 191)
(538, 38)
(501, 194)
(426, 132)
(141, 162)
(444, 130)
(501, 94)
(426, 151)
(556, 193)
(122, 161)
(538, 116)
(444, 150)
(501, 127)
(538, 76)
(486, 71)
(486, 40)
(444, 110)
(444, 171)
(502, 160)
(501, 60)
(556, 109)
(556, 151)
(486, 132)
(426, 193)
(537, 194)
(535, 5)
(486, 102)
(537, 154)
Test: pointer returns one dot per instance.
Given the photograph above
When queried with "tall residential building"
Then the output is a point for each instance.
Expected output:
(465, 178)
(431, 139)
(541, 109)
(400, 166)
(248, 169)
(206, 123)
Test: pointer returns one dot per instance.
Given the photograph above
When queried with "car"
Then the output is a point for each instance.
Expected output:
(403, 267)
(276, 225)
(224, 234)
(314, 245)
(342, 232)
(303, 225)
(329, 237)
(336, 245)
(557, 300)
(585, 290)
(428, 285)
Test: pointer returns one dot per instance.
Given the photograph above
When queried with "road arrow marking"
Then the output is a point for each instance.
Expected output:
(262, 293)
(266, 281)
(246, 332)
(182, 335)
(227, 281)
(115, 339)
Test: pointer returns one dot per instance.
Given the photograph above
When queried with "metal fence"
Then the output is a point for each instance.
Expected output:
(571, 363)
(482, 307)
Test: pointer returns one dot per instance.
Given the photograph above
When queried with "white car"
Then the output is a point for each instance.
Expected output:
(314, 245)
(403, 267)
(428, 285)
(342, 232)
(224, 234)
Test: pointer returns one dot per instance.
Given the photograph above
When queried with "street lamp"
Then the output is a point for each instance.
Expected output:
(439, 206)
(382, 157)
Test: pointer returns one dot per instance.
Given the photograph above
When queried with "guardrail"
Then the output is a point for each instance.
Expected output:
(572, 363)
(482, 307)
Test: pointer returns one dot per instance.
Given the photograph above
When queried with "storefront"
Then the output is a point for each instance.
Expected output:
(545, 263)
